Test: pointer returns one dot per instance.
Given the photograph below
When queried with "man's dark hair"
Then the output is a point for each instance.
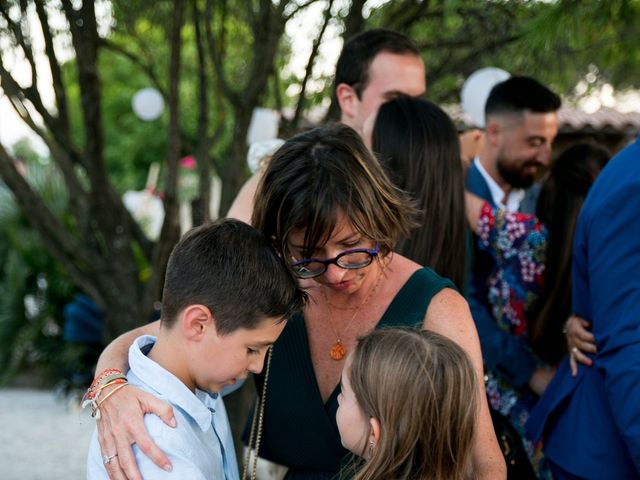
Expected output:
(519, 93)
(360, 50)
(231, 268)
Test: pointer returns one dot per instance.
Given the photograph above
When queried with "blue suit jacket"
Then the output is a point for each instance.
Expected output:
(500, 351)
(590, 425)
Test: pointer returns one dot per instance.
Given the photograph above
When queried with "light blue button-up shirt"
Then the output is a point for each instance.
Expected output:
(200, 447)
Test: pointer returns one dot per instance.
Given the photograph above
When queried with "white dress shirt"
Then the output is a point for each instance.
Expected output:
(497, 194)
(199, 447)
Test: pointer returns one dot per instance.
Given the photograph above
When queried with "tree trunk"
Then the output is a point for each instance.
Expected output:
(236, 168)
(127, 309)
(353, 23)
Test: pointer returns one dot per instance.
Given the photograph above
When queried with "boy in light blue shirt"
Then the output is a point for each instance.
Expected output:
(226, 298)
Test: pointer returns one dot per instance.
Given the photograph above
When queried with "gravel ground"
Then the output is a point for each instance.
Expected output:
(42, 437)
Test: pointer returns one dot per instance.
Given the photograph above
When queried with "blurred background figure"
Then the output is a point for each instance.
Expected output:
(471, 144)
(83, 322)
(257, 159)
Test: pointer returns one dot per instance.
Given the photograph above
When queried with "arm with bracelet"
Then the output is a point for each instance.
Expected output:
(108, 378)
(121, 421)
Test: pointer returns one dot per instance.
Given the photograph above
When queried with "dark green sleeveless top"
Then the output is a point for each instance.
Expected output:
(299, 430)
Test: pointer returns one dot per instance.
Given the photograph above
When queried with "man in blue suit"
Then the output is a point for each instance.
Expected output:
(521, 124)
(590, 424)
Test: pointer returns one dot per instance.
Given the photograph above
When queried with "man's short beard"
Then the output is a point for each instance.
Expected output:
(515, 176)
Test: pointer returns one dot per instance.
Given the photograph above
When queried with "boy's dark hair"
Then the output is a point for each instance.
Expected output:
(519, 93)
(360, 50)
(232, 269)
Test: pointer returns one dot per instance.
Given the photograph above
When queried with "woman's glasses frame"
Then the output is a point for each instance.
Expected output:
(299, 267)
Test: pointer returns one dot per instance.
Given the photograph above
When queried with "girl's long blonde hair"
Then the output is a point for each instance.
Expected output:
(423, 390)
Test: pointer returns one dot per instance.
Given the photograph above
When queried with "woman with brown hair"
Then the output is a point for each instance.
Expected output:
(332, 212)
(418, 145)
(408, 406)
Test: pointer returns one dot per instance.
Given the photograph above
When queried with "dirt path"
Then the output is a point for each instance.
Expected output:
(42, 437)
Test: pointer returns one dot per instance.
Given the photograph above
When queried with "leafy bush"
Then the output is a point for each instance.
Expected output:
(33, 288)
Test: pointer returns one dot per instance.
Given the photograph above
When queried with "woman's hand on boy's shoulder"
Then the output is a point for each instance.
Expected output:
(121, 425)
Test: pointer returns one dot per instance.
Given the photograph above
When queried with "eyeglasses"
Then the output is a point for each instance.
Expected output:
(349, 259)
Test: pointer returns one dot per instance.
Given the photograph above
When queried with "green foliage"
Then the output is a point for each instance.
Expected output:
(23, 150)
(132, 144)
(456, 37)
(33, 289)
(568, 37)
(557, 42)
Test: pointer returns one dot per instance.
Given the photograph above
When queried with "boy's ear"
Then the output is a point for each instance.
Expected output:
(347, 99)
(374, 431)
(196, 319)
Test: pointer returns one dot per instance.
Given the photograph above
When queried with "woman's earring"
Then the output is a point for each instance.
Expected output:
(371, 447)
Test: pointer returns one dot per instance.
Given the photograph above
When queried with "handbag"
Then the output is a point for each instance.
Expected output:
(518, 465)
(252, 463)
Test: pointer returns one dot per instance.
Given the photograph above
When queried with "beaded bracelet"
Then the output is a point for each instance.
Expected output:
(108, 378)
(95, 405)
(93, 401)
(101, 381)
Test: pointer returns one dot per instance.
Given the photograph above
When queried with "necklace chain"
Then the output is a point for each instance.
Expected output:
(338, 350)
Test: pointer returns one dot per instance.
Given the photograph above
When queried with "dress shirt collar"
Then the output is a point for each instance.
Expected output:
(199, 406)
(497, 194)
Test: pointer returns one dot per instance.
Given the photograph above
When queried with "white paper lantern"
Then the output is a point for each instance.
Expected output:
(259, 151)
(264, 125)
(476, 89)
(147, 104)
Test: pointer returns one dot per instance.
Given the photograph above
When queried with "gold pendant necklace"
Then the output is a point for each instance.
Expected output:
(338, 351)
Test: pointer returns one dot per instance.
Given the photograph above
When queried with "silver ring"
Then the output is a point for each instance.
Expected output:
(107, 458)
(574, 350)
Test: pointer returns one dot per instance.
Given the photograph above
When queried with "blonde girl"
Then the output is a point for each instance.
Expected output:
(408, 406)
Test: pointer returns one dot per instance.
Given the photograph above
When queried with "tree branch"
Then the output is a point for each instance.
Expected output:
(353, 24)
(65, 248)
(406, 14)
(170, 232)
(216, 54)
(107, 210)
(13, 89)
(294, 11)
(56, 75)
(77, 194)
(136, 60)
(20, 38)
(466, 63)
(267, 33)
(310, 64)
(19, 96)
(203, 124)
(85, 42)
